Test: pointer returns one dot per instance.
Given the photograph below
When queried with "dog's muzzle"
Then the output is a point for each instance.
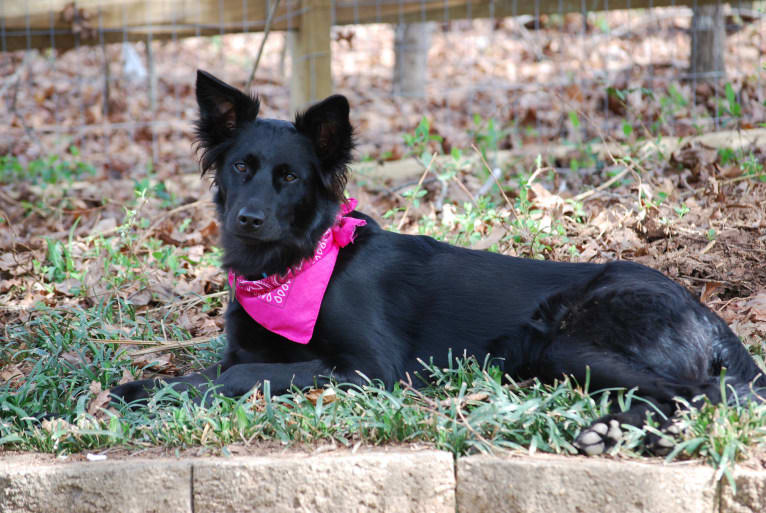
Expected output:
(250, 219)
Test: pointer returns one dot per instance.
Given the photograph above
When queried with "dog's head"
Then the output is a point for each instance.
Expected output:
(278, 183)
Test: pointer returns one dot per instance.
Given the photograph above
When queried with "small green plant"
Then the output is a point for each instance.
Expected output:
(753, 167)
(46, 171)
(672, 101)
(59, 259)
(676, 97)
(586, 157)
(627, 129)
(419, 142)
(148, 187)
(60, 264)
(681, 210)
(467, 223)
(528, 232)
(574, 119)
(727, 156)
(732, 105)
(487, 137)
(656, 121)
(603, 24)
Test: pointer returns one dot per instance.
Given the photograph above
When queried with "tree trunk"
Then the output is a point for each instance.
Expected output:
(411, 44)
(708, 43)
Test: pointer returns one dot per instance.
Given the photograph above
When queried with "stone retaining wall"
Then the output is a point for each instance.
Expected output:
(423, 481)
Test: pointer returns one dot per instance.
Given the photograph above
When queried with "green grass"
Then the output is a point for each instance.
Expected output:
(47, 171)
(721, 434)
(467, 409)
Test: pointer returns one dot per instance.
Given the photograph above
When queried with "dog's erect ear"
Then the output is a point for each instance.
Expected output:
(327, 125)
(223, 104)
(222, 108)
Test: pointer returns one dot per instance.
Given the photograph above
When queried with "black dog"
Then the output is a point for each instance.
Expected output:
(393, 299)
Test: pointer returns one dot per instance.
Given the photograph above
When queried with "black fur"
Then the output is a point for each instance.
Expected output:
(394, 299)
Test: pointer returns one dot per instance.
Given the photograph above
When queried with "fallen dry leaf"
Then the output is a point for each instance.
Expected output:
(495, 236)
(709, 289)
(757, 307)
(68, 286)
(161, 363)
(327, 394)
(9, 373)
(141, 298)
(100, 401)
(126, 377)
(73, 359)
(57, 425)
(475, 397)
(105, 225)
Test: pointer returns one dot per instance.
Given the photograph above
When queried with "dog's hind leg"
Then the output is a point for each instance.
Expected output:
(610, 371)
(607, 431)
(632, 328)
(655, 397)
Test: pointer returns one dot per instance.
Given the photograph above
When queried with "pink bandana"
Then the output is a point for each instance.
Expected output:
(289, 304)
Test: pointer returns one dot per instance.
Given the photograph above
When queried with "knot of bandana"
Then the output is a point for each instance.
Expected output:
(289, 304)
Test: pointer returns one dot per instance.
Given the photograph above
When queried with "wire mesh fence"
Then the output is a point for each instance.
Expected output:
(114, 80)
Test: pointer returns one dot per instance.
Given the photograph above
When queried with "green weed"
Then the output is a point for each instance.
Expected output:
(47, 171)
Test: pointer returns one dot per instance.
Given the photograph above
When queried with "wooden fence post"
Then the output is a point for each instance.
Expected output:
(708, 34)
(311, 78)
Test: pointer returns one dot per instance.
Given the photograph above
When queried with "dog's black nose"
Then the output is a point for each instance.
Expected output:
(250, 219)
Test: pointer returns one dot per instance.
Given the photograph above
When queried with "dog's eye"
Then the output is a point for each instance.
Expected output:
(289, 177)
(240, 167)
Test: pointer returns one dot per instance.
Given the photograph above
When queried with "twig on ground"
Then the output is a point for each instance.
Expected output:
(630, 167)
(156, 346)
(605, 185)
(191, 301)
(494, 175)
(395, 190)
(463, 188)
(169, 213)
(740, 178)
(537, 173)
(708, 247)
(417, 188)
(123, 341)
(442, 194)
(497, 181)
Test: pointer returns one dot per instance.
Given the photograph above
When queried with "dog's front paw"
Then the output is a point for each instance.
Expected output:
(134, 391)
(601, 436)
